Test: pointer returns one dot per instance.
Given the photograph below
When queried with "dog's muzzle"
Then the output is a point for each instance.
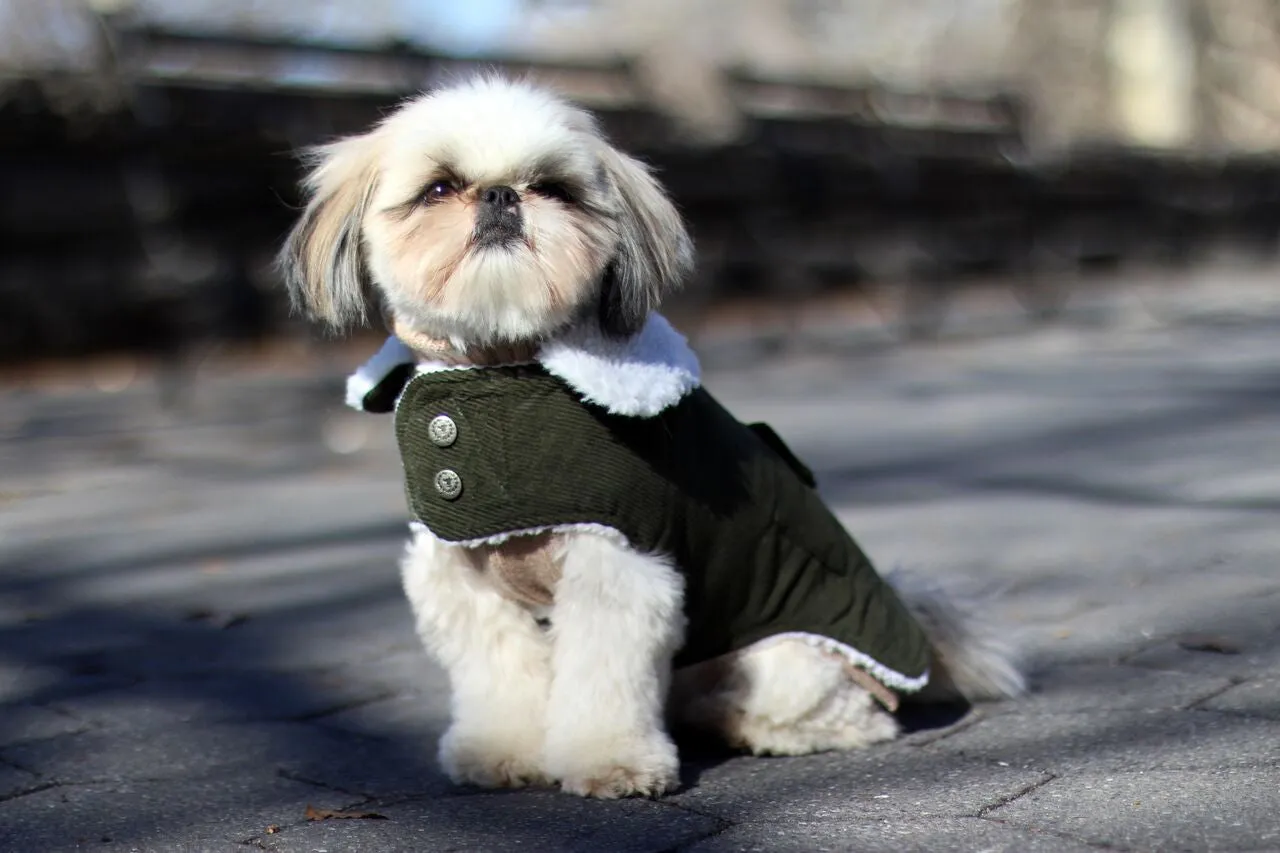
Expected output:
(499, 222)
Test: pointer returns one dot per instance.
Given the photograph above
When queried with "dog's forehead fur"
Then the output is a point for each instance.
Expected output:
(491, 131)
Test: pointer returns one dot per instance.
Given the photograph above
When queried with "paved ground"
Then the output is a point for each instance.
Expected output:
(201, 633)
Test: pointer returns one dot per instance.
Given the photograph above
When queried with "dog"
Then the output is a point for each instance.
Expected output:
(601, 555)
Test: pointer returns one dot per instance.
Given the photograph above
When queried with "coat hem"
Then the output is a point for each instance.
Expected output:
(885, 675)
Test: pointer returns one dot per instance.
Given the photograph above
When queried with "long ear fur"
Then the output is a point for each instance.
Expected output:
(322, 259)
(655, 254)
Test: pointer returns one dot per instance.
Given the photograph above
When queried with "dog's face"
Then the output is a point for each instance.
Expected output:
(487, 213)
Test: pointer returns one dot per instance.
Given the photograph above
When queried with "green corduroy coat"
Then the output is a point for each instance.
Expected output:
(738, 513)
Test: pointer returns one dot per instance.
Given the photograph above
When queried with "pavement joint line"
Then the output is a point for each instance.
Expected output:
(1126, 658)
(19, 766)
(1053, 833)
(723, 824)
(340, 707)
(1233, 682)
(1231, 712)
(1045, 779)
(53, 706)
(686, 845)
(282, 773)
(34, 789)
(88, 728)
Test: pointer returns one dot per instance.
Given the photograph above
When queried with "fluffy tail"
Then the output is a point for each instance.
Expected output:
(974, 656)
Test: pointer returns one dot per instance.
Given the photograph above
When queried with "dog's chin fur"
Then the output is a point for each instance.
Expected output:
(587, 702)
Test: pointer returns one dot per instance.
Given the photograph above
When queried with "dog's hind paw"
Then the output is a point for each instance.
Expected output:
(647, 767)
(486, 761)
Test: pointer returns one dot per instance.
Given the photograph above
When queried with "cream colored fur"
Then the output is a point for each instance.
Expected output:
(582, 703)
(616, 624)
(398, 224)
(498, 660)
(782, 698)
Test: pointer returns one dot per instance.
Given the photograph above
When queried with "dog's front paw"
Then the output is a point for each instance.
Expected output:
(489, 759)
(626, 766)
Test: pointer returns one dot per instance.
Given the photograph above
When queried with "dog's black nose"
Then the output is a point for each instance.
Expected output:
(498, 219)
(500, 196)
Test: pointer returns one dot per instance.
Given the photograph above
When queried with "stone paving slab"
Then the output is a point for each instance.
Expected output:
(888, 836)
(202, 630)
(1091, 687)
(1259, 697)
(1120, 740)
(894, 783)
(207, 812)
(14, 780)
(243, 697)
(26, 722)
(1232, 808)
(493, 822)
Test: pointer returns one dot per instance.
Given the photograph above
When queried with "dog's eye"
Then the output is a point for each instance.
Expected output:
(552, 189)
(437, 191)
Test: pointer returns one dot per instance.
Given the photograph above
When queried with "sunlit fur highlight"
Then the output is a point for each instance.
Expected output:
(368, 233)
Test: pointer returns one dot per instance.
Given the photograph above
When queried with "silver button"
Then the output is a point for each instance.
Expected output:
(448, 484)
(442, 431)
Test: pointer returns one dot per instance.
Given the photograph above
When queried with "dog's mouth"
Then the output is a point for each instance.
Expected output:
(498, 228)
(493, 239)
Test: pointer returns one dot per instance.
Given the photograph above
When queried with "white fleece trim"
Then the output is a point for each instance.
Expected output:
(442, 367)
(367, 376)
(637, 376)
(611, 533)
(882, 673)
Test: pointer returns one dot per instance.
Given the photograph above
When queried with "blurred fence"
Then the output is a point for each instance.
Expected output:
(146, 174)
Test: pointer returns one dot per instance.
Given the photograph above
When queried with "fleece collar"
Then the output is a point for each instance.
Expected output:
(637, 376)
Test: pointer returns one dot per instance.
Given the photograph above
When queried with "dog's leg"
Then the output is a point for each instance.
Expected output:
(618, 620)
(498, 661)
(781, 697)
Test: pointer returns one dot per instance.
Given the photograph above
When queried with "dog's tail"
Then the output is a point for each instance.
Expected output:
(975, 657)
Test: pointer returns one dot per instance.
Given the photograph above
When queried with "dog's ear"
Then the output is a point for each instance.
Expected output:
(655, 254)
(322, 261)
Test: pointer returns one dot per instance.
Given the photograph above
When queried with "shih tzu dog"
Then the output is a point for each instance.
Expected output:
(600, 553)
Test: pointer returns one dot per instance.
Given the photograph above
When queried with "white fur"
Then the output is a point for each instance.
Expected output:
(616, 623)
(837, 650)
(490, 132)
(498, 661)
(490, 126)
(595, 529)
(789, 697)
(979, 656)
(367, 376)
(637, 376)
(582, 704)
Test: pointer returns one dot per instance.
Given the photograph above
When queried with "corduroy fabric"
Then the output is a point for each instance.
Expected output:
(760, 552)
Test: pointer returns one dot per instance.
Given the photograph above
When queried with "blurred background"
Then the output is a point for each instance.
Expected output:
(1002, 272)
(884, 160)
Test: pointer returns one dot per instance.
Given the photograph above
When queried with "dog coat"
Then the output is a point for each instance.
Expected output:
(565, 444)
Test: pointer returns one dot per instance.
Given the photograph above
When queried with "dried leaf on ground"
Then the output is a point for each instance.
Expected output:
(1208, 643)
(221, 621)
(314, 813)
